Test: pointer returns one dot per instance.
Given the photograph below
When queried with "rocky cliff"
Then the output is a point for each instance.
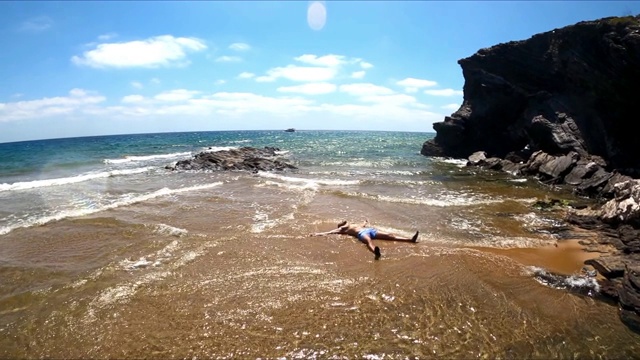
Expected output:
(560, 106)
(568, 89)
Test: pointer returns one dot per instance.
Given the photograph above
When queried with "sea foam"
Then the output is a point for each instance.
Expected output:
(128, 159)
(70, 180)
(125, 200)
(308, 183)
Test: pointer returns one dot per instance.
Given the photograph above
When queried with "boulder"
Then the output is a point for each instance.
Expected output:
(625, 206)
(244, 159)
(609, 266)
(477, 158)
(560, 166)
(629, 297)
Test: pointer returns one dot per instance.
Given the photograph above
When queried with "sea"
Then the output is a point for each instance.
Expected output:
(107, 253)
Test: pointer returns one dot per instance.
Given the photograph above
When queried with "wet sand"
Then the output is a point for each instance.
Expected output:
(566, 257)
(231, 273)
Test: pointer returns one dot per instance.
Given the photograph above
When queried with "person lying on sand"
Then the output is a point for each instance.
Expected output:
(366, 235)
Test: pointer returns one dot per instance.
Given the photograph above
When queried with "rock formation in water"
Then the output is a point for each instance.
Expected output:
(561, 106)
(245, 158)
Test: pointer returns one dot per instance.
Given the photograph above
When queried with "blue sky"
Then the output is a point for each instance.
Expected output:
(97, 68)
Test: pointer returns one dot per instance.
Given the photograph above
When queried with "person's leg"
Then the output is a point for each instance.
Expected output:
(367, 241)
(386, 236)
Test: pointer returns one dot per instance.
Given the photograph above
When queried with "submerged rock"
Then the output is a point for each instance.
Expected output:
(245, 158)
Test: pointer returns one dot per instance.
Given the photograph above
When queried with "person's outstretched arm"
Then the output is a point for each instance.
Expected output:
(334, 231)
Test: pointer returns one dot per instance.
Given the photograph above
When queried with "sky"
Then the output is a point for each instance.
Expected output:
(85, 68)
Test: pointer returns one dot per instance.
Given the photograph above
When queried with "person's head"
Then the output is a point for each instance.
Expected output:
(342, 223)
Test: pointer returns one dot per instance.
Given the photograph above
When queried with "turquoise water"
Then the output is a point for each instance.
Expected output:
(60, 170)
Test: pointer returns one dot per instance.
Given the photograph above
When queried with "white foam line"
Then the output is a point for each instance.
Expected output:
(456, 201)
(69, 180)
(123, 202)
(127, 159)
(218, 148)
(457, 162)
(308, 181)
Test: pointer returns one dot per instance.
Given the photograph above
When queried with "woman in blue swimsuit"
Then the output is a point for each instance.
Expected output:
(366, 235)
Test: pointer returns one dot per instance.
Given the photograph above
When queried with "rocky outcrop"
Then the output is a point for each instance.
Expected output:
(245, 158)
(560, 106)
(570, 89)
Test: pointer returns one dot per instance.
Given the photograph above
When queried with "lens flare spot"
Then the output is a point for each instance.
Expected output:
(316, 15)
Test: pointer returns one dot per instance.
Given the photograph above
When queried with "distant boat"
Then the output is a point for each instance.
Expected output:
(290, 130)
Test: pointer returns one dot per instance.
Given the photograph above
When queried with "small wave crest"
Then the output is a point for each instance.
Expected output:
(70, 180)
(442, 201)
(125, 200)
(218, 148)
(308, 183)
(457, 162)
(580, 283)
(164, 229)
(128, 159)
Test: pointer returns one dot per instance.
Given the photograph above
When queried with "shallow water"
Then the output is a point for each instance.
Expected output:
(220, 265)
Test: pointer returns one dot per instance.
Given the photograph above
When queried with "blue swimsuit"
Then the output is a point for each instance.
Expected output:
(367, 231)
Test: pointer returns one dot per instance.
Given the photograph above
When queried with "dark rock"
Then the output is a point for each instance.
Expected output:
(561, 106)
(630, 237)
(559, 166)
(536, 161)
(610, 288)
(492, 163)
(477, 158)
(510, 167)
(582, 170)
(569, 89)
(611, 266)
(609, 189)
(246, 159)
(595, 183)
(578, 205)
(629, 297)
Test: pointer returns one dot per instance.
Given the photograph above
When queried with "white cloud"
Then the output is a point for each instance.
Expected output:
(299, 73)
(155, 81)
(137, 85)
(36, 24)
(365, 65)
(452, 107)
(444, 92)
(105, 37)
(176, 95)
(327, 60)
(225, 110)
(246, 75)
(365, 89)
(228, 59)
(132, 99)
(154, 52)
(357, 74)
(77, 100)
(220, 82)
(239, 47)
(412, 85)
(309, 89)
